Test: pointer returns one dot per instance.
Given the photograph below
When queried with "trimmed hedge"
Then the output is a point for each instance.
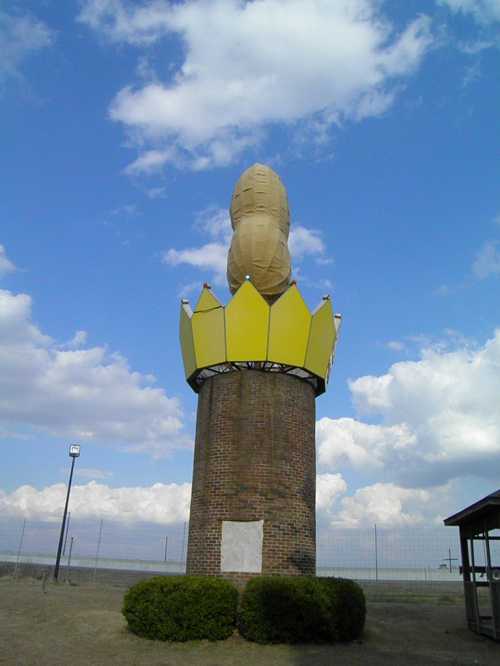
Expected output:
(281, 609)
(301, 609)
(348, 606)
(181, 608)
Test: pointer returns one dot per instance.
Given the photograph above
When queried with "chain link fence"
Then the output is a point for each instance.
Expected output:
(101, 550)
(116, 552)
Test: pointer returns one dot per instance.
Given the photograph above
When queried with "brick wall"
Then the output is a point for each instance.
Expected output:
(255, 460)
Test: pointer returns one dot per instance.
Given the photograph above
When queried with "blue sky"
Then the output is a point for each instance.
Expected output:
(125, 128)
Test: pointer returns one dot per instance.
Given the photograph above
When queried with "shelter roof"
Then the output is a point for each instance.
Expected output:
(476, 511)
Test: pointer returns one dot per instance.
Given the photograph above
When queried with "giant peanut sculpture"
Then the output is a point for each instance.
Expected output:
(257, 365)
(261, 224)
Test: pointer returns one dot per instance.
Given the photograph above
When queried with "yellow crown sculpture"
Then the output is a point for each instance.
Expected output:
(249, 333)
(266, 326)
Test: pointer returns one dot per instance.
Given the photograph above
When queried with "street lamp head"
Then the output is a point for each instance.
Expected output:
(74, 450)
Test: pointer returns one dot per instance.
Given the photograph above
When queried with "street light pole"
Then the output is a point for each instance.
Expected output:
(66, 535)
(74, 452)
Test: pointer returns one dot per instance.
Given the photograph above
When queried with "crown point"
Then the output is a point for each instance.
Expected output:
(293, 282)
(207, 286)
(247, 277)
(326, 297)
(184, 301)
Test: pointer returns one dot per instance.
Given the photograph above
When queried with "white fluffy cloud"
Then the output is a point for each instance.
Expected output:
(6, 265)
(272, 61)
(211, 257)
(120, 21)
(389, 505)
(483, 11)
(215, 222)
(77, 341)
(396, 345)
(383, 504)
(78, 393)
(359, 445)
(149, 162)
(304, 241)
(386, 504)
(91, 473)
(487, 260)
(328, 488)
(440, 419)
(159, 503)
(20, 36)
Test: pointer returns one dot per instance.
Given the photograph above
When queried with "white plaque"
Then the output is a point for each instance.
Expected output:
(241, 548)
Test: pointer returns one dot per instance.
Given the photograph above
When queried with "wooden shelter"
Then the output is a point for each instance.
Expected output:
(479, 526)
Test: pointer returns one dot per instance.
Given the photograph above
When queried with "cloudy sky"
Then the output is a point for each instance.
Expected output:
(125, 127)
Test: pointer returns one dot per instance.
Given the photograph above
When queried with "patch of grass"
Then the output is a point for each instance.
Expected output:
(414, 598)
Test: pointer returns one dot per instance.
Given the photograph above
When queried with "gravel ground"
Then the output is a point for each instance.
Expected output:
(81, 625)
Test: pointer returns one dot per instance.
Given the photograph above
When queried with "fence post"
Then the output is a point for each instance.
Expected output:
(19, 550)
(98, 549)
(69, 558)
(183, 557)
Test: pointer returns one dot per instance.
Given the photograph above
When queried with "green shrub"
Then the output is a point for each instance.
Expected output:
(301, 609)
(181, 608)
(347, 606)
(281, 609)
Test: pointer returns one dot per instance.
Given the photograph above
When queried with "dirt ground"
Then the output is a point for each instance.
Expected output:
(81, 625)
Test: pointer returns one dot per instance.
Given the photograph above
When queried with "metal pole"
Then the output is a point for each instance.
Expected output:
(61, 537)
(376, 553)
(466, 572)
(20, 548)
(450, 559)
(486, 543)
(67, 530)
(464, 549)
(491, 585)
(476, 599)
(69, 556)
(183, 543)
(166, 546)
(473, 561)
(98, 549)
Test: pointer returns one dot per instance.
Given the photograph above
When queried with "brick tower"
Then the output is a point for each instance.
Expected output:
(257, 364)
